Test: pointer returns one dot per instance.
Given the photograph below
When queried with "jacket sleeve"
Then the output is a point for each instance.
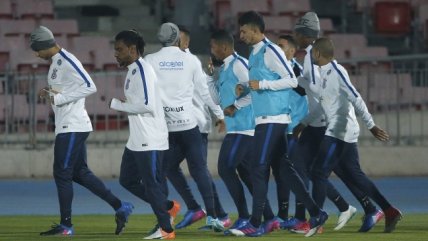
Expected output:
(355, 98)
(200, 81)
(83, 86)
(144, 100)
(277, 62)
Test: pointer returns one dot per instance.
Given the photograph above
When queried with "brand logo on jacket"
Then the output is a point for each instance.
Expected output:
(171, 65)
(54, 75)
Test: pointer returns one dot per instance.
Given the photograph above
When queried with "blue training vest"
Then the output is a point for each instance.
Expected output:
(267, 102)
(244, 118)
(298, 106)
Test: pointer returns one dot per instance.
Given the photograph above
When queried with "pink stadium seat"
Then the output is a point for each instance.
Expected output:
(6, 9)
(326, 26)
(360, 82)
(290, 7)
(238, 7)
(26, 62)
(86, 58)
(8, 44)
(90, 43)
(278, 24)
(16, 27)
(344, 40)
(34, 9)
(105, 60)
(363, 52)
(61, 27)
(222, 13)
(392, 17)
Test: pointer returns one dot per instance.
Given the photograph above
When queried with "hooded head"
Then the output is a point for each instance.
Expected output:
(169, 34)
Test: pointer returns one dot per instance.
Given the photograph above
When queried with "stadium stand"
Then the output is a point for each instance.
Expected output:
(293, 8)
(32, 9)
(6, 9)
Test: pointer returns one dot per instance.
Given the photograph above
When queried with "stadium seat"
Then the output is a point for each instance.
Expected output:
(392, 17)
(238, 7)
(278, 24)
(6, 9)
(326, 26)
(105, 60)
(8, 44)
(58, 27)
(364, 52)
(26, 62)
(222, 13)
(86, 58)
(360, 82)
(291, 7)
(17, 27)
(34, 9)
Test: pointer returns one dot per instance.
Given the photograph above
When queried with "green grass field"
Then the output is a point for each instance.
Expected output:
(101, 227)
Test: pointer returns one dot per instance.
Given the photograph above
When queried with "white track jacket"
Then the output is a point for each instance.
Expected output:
(147, 127)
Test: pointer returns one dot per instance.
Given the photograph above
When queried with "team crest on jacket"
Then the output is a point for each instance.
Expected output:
(127, 84)
(134, 71)
(329, 72)
(59, 62)
(53, 76)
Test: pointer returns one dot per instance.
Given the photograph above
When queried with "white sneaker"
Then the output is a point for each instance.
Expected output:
(215, 223)
(160, 234)
(344, 217)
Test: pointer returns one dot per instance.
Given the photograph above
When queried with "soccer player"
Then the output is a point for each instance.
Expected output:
(141, 168)
(270, 80)
(299, 109)
(178, 73)
(313, 128)
(341, 102)
(68, 86)
(235, 151)
(203, 105)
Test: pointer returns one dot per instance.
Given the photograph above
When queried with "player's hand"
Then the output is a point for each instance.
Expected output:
(379, 134)
(298, 130)
(239, 90)
(210, 67)
(254, 84)
(43, 93)
(229, 111)
(221, 125)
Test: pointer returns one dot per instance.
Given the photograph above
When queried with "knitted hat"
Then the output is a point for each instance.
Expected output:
(41, 38)
(168, 34)
(308, 25)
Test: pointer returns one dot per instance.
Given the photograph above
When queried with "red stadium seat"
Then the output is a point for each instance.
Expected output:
(34, 9)
(392, 17)
(238, 7)
(278, 24)
(291, 7)
(6, 9)
(363, 52)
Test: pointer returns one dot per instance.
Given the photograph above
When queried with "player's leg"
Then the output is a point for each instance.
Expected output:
(172, 160)
(351, 166)
(85, 177)
(191, 143)
(149, 167)
(229, 158)
(65, 155)
(222, 215)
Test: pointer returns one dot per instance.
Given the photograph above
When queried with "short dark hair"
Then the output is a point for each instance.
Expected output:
(183, 29)
(289, 39)
(325, 46)
(131, 37)
(252, 18)
(222, 36)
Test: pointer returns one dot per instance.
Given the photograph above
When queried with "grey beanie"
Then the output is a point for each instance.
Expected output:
(308, 25)
(41, 38)
(168, 34)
